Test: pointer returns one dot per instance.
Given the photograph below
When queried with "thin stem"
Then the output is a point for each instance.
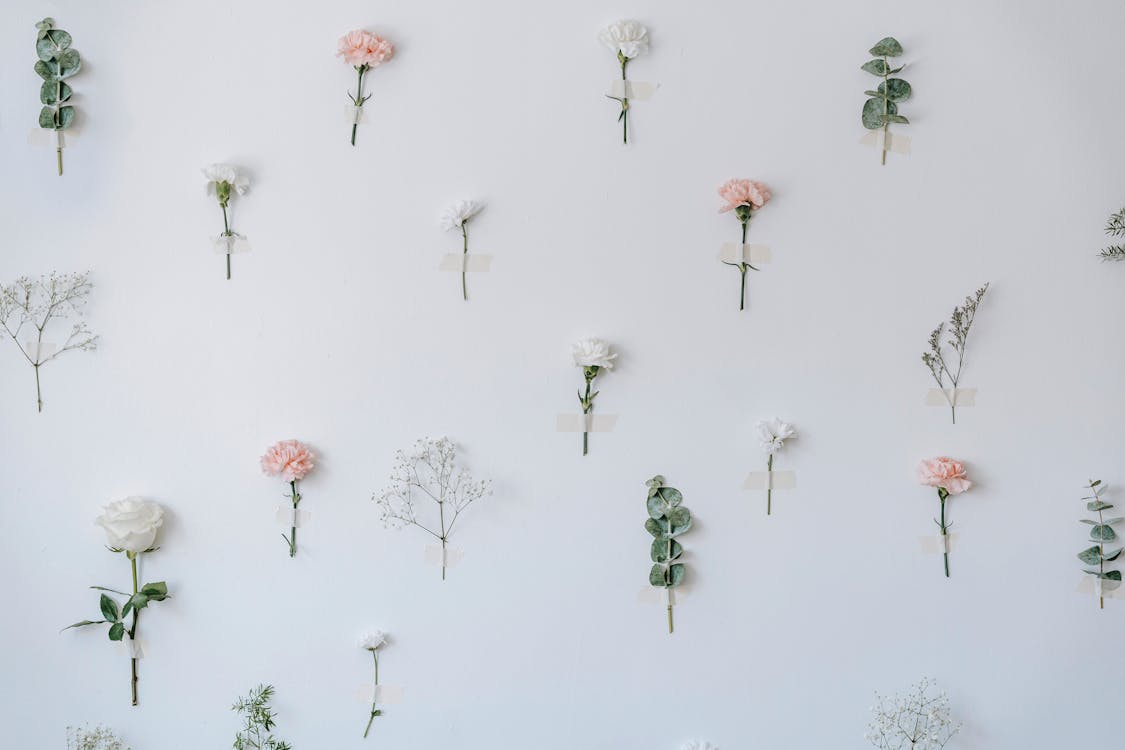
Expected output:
(133, 630)
(58, 156)
(624, 104)
(670, 627)
(769, 483)
(38, 392)
(293, 529)
(374, 695)
(587, 405)
(358, 99)
(886, 110)
(945, 542)
(1101, 559)
(226, 233)
(444, 534)
(465, 259)
(742, 268)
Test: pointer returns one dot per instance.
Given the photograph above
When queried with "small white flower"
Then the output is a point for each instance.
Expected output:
(373, 640)
(217, 174)
(593, 353)
(459, 213)
(773, 433)
(629, 38)
(699, 745)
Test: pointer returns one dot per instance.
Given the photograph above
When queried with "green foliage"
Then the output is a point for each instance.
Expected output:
(960, 323)
(886, 47)
(668, 518)
(881, 108)
(258, 721)
(57, 61)
(114, 615)
(1115, 227)
(1101, 531)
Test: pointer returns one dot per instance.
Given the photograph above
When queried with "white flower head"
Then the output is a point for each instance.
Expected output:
(373, 640)
(626, 38)
(459, 213)
(131, 524)
(593, 353)
(773, 433)
(699, 745)
(232, 176)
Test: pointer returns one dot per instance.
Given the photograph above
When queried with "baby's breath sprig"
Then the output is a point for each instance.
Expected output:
(917, 720)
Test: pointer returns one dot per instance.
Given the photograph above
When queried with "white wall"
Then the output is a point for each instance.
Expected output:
(339, 330)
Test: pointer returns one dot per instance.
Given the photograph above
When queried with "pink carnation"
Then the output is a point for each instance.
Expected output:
(944, 473)
(743, 193)
(361, 47)
(289, 459)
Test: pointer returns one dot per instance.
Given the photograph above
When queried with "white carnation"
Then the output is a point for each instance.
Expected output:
(593, 353)
(629, 38)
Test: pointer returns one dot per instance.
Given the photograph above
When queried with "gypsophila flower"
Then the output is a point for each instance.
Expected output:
(699, 745)
(98, 738)
(916, 720)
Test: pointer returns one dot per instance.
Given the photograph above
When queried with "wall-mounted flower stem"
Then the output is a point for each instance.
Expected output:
(960, 323)
(881, 109)
(629, 39)
(291, 460)
(667, 519)
(224, 181)
(456, 217)
(57, 62)
(362, 50)
(949, 478)
(1101, 532)
(592, 355)
(372, 642)
(743, 197)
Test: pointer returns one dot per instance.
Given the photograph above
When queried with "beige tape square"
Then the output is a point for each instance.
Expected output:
(434, 552)
(354, 115)
(898, 144)
(1109, 589)
(937, 544)
(287, 515)
(230, 244)
(585, 422)
(770, 480)
(134, 649)
(39, 351)
(469, 262)
(661, 595)
(958, 396)
(732, 252)
(52, 138)
(381, 694)
(638, 90)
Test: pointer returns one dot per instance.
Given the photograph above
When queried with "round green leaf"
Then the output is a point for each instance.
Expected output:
(665, 550)
(887, 47)
(116, 631)
(676, 574)
(66, 117)
(896, 88)
(1102, 533)
(656, 575)
(1091, 556)
(873, 113)
(659, 528)
(61, 39)
(46, 49)
(50, 90)
(657, 506)
(70, 62)
(48, 71)
(671, 495)
(680, 518)
(875, 67)
(47, 118)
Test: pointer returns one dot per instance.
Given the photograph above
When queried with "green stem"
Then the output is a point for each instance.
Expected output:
(358, 97)
(38, 391)
(742, 268)
(624, 105)
(226, 233)
(464, 260)
(374, 695)
(293, 528)
(668, 593)
(769, 483)
(133, 630)
(945, 542)
(587, 405)
(886, 109)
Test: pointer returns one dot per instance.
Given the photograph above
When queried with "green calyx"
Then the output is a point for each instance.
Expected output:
(743, 213)
(222, 191)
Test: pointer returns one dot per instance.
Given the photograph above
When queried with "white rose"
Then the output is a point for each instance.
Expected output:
(626, 37)
(460, 212)
(593, 353)
(131, 524)
(773, 433)
(217, 173)
(373, 640)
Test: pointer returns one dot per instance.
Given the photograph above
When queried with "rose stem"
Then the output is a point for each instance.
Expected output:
(226, 233)
(373, 694)
(133, 630)
(358, 99)
(465, 253)
(293, 529)
(769, 483)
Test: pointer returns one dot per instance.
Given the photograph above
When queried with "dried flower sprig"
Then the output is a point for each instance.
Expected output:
(430, 470)
(667, 519)
(98, 738)
(57, 62)
(881, 109)
(917, 720)
(259, 721)
(592, 355)
(1115, 227)
(629, 39)
(34, 303)
(960, 322)
(457, 217)
(1101, 532)
(372, 642)
(744, 197)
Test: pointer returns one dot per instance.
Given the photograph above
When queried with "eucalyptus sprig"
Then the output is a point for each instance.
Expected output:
(258, 721)
(57, 62)
(881, 109)
(1115, 227)
(960, 322)
(1101, 532)
(667, 519)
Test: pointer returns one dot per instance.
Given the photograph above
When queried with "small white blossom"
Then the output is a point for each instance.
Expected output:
(98, 738)
(773, 433)
(459, 213)
(593, 353)
(627, 38)
(373, 640)
(916, 720)
(217, 174)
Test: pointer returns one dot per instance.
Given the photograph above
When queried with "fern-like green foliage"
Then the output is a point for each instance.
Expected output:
(1101, 534)
(667, 519)
(881, 107)
(258, 721)
(57, 62)
(1115, 227)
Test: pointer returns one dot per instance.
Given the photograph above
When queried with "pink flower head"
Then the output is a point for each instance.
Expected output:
(743, 193)
(290, 459)
(361, 47)
(944, 473)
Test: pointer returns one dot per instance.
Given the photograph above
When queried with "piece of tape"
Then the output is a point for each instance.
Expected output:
(39, 351)
(733, 252)
(435, 553)
(898, 144)
(461, 262)
(585, 422)
(380, 694)
(937, 544)
(354, 115)
(290, 516)
(134, 649)
(956, 396)
(1109, 589)
(638, 90)
(770, 480)
(52, 138)
(229, 244)
(662, 595)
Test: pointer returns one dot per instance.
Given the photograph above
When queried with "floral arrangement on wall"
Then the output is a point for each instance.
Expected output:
(881, 108)
(667, 520)
(628, 40)
(947, 371)
(1101, 533)
(291, 460)
(918, 720)
(258, 721)
(362, 50)
(593, 356)
(131, 526)
(29, 305)
(773, 433)
(371, 643)
(949, 478)
(57, 63)
(744, 197)
(225, 181)
(456, 218)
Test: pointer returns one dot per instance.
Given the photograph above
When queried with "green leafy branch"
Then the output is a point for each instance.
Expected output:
(960, 322)
(667, 519)
(1101, 532)
(57, 62)
(114, 614)
(259, 721)
(1115, 227)
(881, 109)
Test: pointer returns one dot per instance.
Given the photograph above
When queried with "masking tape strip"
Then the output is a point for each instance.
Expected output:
(733, 252)
(452, 555)
(230, 244)
(381, 694)
(290, 516)
(937, 544)
(353, 115)
(662, 595)
(134, 649)
(471, 262)
(898, 144)
(638, 90)
(585, 422)
(39, 351)
(52, 138)
(958, 397)
(1109, 589)
(770, 480)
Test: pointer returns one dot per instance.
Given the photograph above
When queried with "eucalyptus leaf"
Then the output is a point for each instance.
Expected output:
(66, 117)
(70, 62)
(1102, 533)
(1091, 556)
(898, 119)
(672, 496)
(892, 71)
(61, 39)
(657, 507)
(659, 528)
(887, 47)
(897, 89)
(873, 113)
(46, 49)
(656, 482)
(677, 573)
(48, 71)
(875, 67)
(665, 551)
(1113, 575)
(1113, 555)
(1086, 520)
(680, 518)
(875, 94)
(47, 118)
(1110, 521)
(49, 92)
(116, 631)
(108, 608)
(656, 575)
(1097, 505)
